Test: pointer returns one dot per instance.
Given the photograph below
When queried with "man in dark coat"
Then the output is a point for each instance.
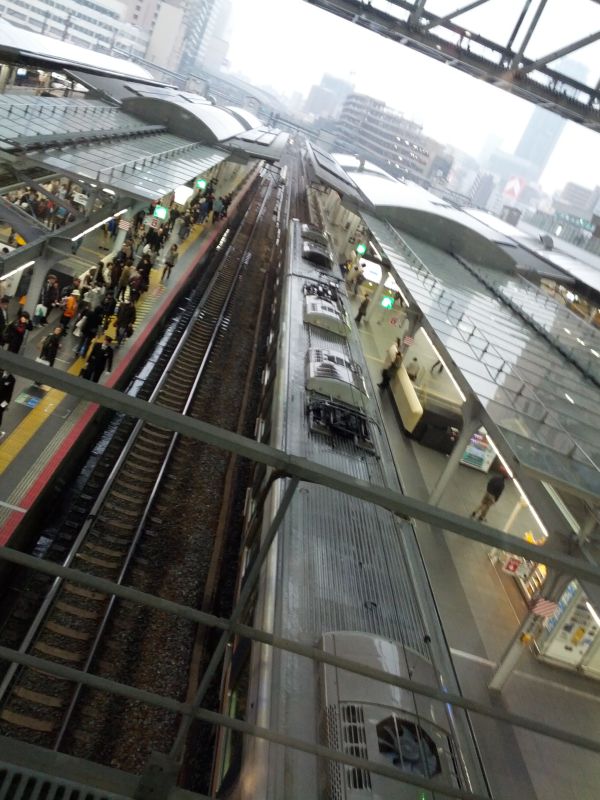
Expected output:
(51, 345)
(101, 358)
(15, 332)
(4, 301)
(92, 319)
(7, 385)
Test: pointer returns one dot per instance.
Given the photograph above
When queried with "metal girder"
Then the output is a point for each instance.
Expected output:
(310, 652)
(34, 249)
(295, 466)
(481, 57)
(516, 58)
(26, 225)
(541, 62)
(456, 13)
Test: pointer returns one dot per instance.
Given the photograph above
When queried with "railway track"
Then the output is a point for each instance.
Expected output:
(121, 538)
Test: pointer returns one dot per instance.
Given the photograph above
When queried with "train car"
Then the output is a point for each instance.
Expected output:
(342, 575)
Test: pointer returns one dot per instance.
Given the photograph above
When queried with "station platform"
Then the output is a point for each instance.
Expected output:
(481, 608)
(42, 425)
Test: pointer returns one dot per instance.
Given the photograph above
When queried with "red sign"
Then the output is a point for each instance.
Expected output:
(408, 341)
(512, 564)
(124, 224)
(513, 188)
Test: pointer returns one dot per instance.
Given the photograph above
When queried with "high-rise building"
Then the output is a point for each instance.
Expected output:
(540, 138)
(199, 19)
(544, 128)
(101, 25)
(369, 129)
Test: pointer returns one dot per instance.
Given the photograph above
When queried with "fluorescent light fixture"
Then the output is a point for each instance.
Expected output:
(593, 612)
(18, 269)
(581, 341)
(566, 330)
(451, 376)
(518, 486)
(97, 225)
(569, 398)
(594, 353)
(182, 194)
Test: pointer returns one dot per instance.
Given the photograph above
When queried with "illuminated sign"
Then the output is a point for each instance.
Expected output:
(361, 249)
(387, 302)
(201, 184)
(160, 212)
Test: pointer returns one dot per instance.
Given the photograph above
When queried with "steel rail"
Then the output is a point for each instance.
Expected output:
(169, 369)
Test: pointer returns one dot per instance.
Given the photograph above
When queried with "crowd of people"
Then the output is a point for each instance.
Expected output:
(107, 293)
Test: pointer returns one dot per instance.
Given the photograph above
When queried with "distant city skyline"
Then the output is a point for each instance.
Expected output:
(453, 107)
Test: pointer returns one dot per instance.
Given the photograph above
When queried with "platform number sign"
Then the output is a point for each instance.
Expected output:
(161, 212)
(361, 248)
(387, 302)
(201, 184)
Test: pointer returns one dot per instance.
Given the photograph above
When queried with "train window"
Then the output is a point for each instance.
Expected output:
(408, 747)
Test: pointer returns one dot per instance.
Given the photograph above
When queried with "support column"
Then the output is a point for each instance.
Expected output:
(377, 294)
(471, 423)
(128, 215)
(529, 630)
(5, 72)
(40, 270)
(587, 527)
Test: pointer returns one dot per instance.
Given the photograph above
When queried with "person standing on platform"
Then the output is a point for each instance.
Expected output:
(388, 372)
(50, 347)
(4, 301)
(14, 333)
(362, 310)
(69, 310)
(7, 385)
(50, 296)
(493, 490)
(101, 358)
(125, 321)
(170, 261)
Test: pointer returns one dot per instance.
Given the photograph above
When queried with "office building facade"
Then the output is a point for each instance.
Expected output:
(371, 130)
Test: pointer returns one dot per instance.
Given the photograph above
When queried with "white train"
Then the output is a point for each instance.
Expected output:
(342, 574)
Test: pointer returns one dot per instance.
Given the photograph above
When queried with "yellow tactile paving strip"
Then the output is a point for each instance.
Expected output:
(15, 441)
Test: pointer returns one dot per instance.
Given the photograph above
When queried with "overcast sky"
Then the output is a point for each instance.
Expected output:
(289, 45)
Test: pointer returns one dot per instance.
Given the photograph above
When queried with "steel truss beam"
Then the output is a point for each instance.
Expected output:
(481, 57)
(456, 13)
(295, 466)
(34, 249)
(255, 634)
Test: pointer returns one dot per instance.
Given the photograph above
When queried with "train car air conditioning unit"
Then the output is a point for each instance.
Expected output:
(383, 723)
(333, 375)
(325, 314)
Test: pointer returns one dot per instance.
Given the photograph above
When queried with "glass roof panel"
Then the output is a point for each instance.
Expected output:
(528, 386)
(149, 166)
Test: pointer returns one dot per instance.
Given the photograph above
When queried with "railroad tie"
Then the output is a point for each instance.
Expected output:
(75, 611)
(38, 697)
(58, 652)
(24, 721)
(70, 633)
(98, 562)
(81, 591)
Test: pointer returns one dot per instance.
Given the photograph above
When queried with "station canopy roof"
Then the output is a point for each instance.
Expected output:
(325, 169)
(531, 395)
(24, 46)
(146, 167)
